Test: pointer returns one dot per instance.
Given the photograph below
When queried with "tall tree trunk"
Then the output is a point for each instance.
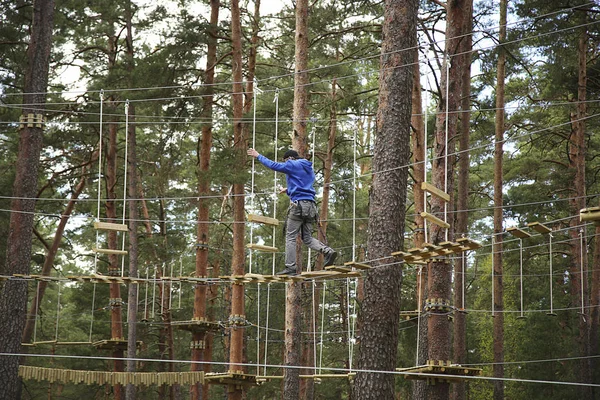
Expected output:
(379, 314)
(13, 295)
(132, 204)
(199, 354)
(293, 304)
(462, 218)
(498, 268)
(439, 273)
(238, 259)
(419, 152)
(579, 266)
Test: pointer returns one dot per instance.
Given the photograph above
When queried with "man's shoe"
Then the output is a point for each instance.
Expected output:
(330, 258)
(287, 271)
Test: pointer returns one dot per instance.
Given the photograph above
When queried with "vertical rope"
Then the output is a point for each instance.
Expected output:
(314, 323)
(493, 299)
(125, 182)
(99, 178)
(464, 272)
(355, 189)
(551, 273)
(425, 162)
(267, 327)
(154, 292)
(521, 271)
(37, 307)
(581, 269)
(322, 327)
(420, 274)
(258, 329)
(146, 295)
(180, 282)
(57, 312)
(348, 321)
(446, 142)
(93, 306)
(253, 171)
(276, 101)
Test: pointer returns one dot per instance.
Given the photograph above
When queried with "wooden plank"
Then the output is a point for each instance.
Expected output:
(338, 268)
(339, 275)
(109, 226)
(521, 234)
(400, 254)
(109, 251)
(589, 214)
(263, 220)
(539, 227)
(313, 274)
(435, 220)
(435, 191)
(260, 247)
(357, 265)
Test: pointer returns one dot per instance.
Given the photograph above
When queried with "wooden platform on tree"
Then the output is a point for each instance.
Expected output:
(430, 251)
(70, 376)
(197, 325)
(236, 378)
(446, 371)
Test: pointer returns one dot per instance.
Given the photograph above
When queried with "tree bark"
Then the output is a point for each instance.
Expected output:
(293, 312)
(239, 257)
(379, 314)
(202, 235)
(13, 295)
(498, 268)
(462, 205)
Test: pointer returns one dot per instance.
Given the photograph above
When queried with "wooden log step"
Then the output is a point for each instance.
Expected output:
(435, 220)
(263, 220)
(357, 265)
(109, 251)
(260, 247)
(589, 214)
(109, 226)
(435, 191)
(315, 274)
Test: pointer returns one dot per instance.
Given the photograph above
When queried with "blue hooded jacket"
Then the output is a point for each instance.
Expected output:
(299, 176)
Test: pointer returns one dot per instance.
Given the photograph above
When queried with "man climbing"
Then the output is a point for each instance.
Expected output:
(302, 213)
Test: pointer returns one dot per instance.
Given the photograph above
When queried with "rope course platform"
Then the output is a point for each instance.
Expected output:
(70, 376)
(236, 378)
(441, 368)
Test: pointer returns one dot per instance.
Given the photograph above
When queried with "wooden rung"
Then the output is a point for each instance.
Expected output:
(435, 191)
(521, 234)
(260, 247)
(539, 227)
(315, 274)
(263, 220)
(109, 226)
(400, 254)
(357, 265)
(109, 251)
(435, 220)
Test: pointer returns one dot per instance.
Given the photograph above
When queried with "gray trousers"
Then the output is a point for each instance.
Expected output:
(301, 216)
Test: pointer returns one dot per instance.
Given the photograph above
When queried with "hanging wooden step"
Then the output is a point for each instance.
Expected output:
(589, 214)
(539, 227)
(521, 234)
(435, 220)
(109, 251)
(263, 220)
(109, 226)
(435, 191)
(468, 244)
(260, 247)
(338, 268)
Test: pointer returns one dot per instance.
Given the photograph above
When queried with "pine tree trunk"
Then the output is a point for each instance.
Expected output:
(293, 304)
(236, 354)
(498, 268)
(462, 220)
(13, 295)
(200, 354)
(379, 314)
